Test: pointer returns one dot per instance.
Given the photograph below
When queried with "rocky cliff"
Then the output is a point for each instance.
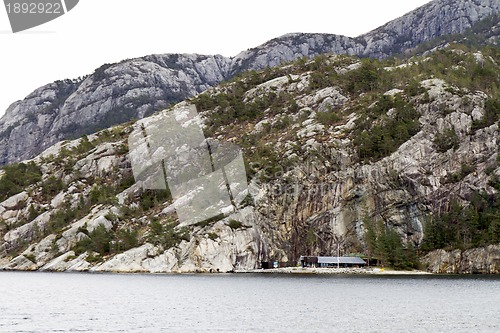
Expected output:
(113, 94)
(387, 158)
(435, 19)
(135, 88)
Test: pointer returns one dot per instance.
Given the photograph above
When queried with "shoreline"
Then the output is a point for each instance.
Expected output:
(274, 271)
(333, 270)
(282, 270)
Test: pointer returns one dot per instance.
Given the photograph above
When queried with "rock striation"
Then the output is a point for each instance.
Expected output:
(485, 260)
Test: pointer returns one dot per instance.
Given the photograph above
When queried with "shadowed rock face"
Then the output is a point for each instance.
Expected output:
(136, 88)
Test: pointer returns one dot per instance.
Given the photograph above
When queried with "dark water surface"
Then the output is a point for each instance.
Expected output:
(49, 302)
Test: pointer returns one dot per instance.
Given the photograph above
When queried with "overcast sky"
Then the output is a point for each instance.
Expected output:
(103, 31)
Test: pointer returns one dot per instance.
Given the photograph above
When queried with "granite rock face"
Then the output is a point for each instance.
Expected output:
(485, 260)
(310, 189)
(293, 46)
(136, 88)
(435, 19)
(113, 94)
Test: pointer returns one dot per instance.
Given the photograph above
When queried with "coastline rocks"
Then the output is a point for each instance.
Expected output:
(484, 260)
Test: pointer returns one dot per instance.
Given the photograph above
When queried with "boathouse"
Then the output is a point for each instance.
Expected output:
(314, 261)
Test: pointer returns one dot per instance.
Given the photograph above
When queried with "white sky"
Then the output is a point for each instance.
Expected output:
(103, 31)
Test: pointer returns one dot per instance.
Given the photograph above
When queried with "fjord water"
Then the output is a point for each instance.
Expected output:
(49, 302)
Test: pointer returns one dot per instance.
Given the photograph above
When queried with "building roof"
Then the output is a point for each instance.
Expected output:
(341, 260)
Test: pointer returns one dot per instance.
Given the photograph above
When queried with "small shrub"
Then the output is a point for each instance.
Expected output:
(61, 219)
(213, 236)
(209, 221)
(99, 240)
(365, 78)
(127, 211)
(233, 224)
(283, 123)
(84, 147)
(374, 142)
(247, 201)
(166, 235)
(102, 194)
(126, 240)
(494, 182)
(465, 169)
(446, 140)
(31, 257)
(51, 186)
(93, 258)
(328, 118)
(492, 114)
(32, 213)
(17, 177)
(151, 198)
(414, 88)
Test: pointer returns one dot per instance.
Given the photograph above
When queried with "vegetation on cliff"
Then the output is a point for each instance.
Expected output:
(388, 158)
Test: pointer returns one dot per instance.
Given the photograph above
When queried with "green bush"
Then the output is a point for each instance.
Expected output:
(247, 201)
(99, 240)
(31, 257)
(209, 221)
(492, 114)
(126, 181)
(104, 242)
(320, 80)
(465, 169)
(151, 198)
(213, 236)
(374, 142)
(84, 147)
(32, 213)
(126, 239)
(99, 73)
(414, 88)
(127, 211)
(102, 194)
(233, 224)
(17, 177)
(477, 224)
(165, 234)
(446, 140)
(52, 186)
(385, 244)
(61, 219)
(494, 182)
(364, 79)
(328, 118)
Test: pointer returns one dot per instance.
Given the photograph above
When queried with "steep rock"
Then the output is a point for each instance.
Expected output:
(113, 94)
(25, 124)
(435, 19)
